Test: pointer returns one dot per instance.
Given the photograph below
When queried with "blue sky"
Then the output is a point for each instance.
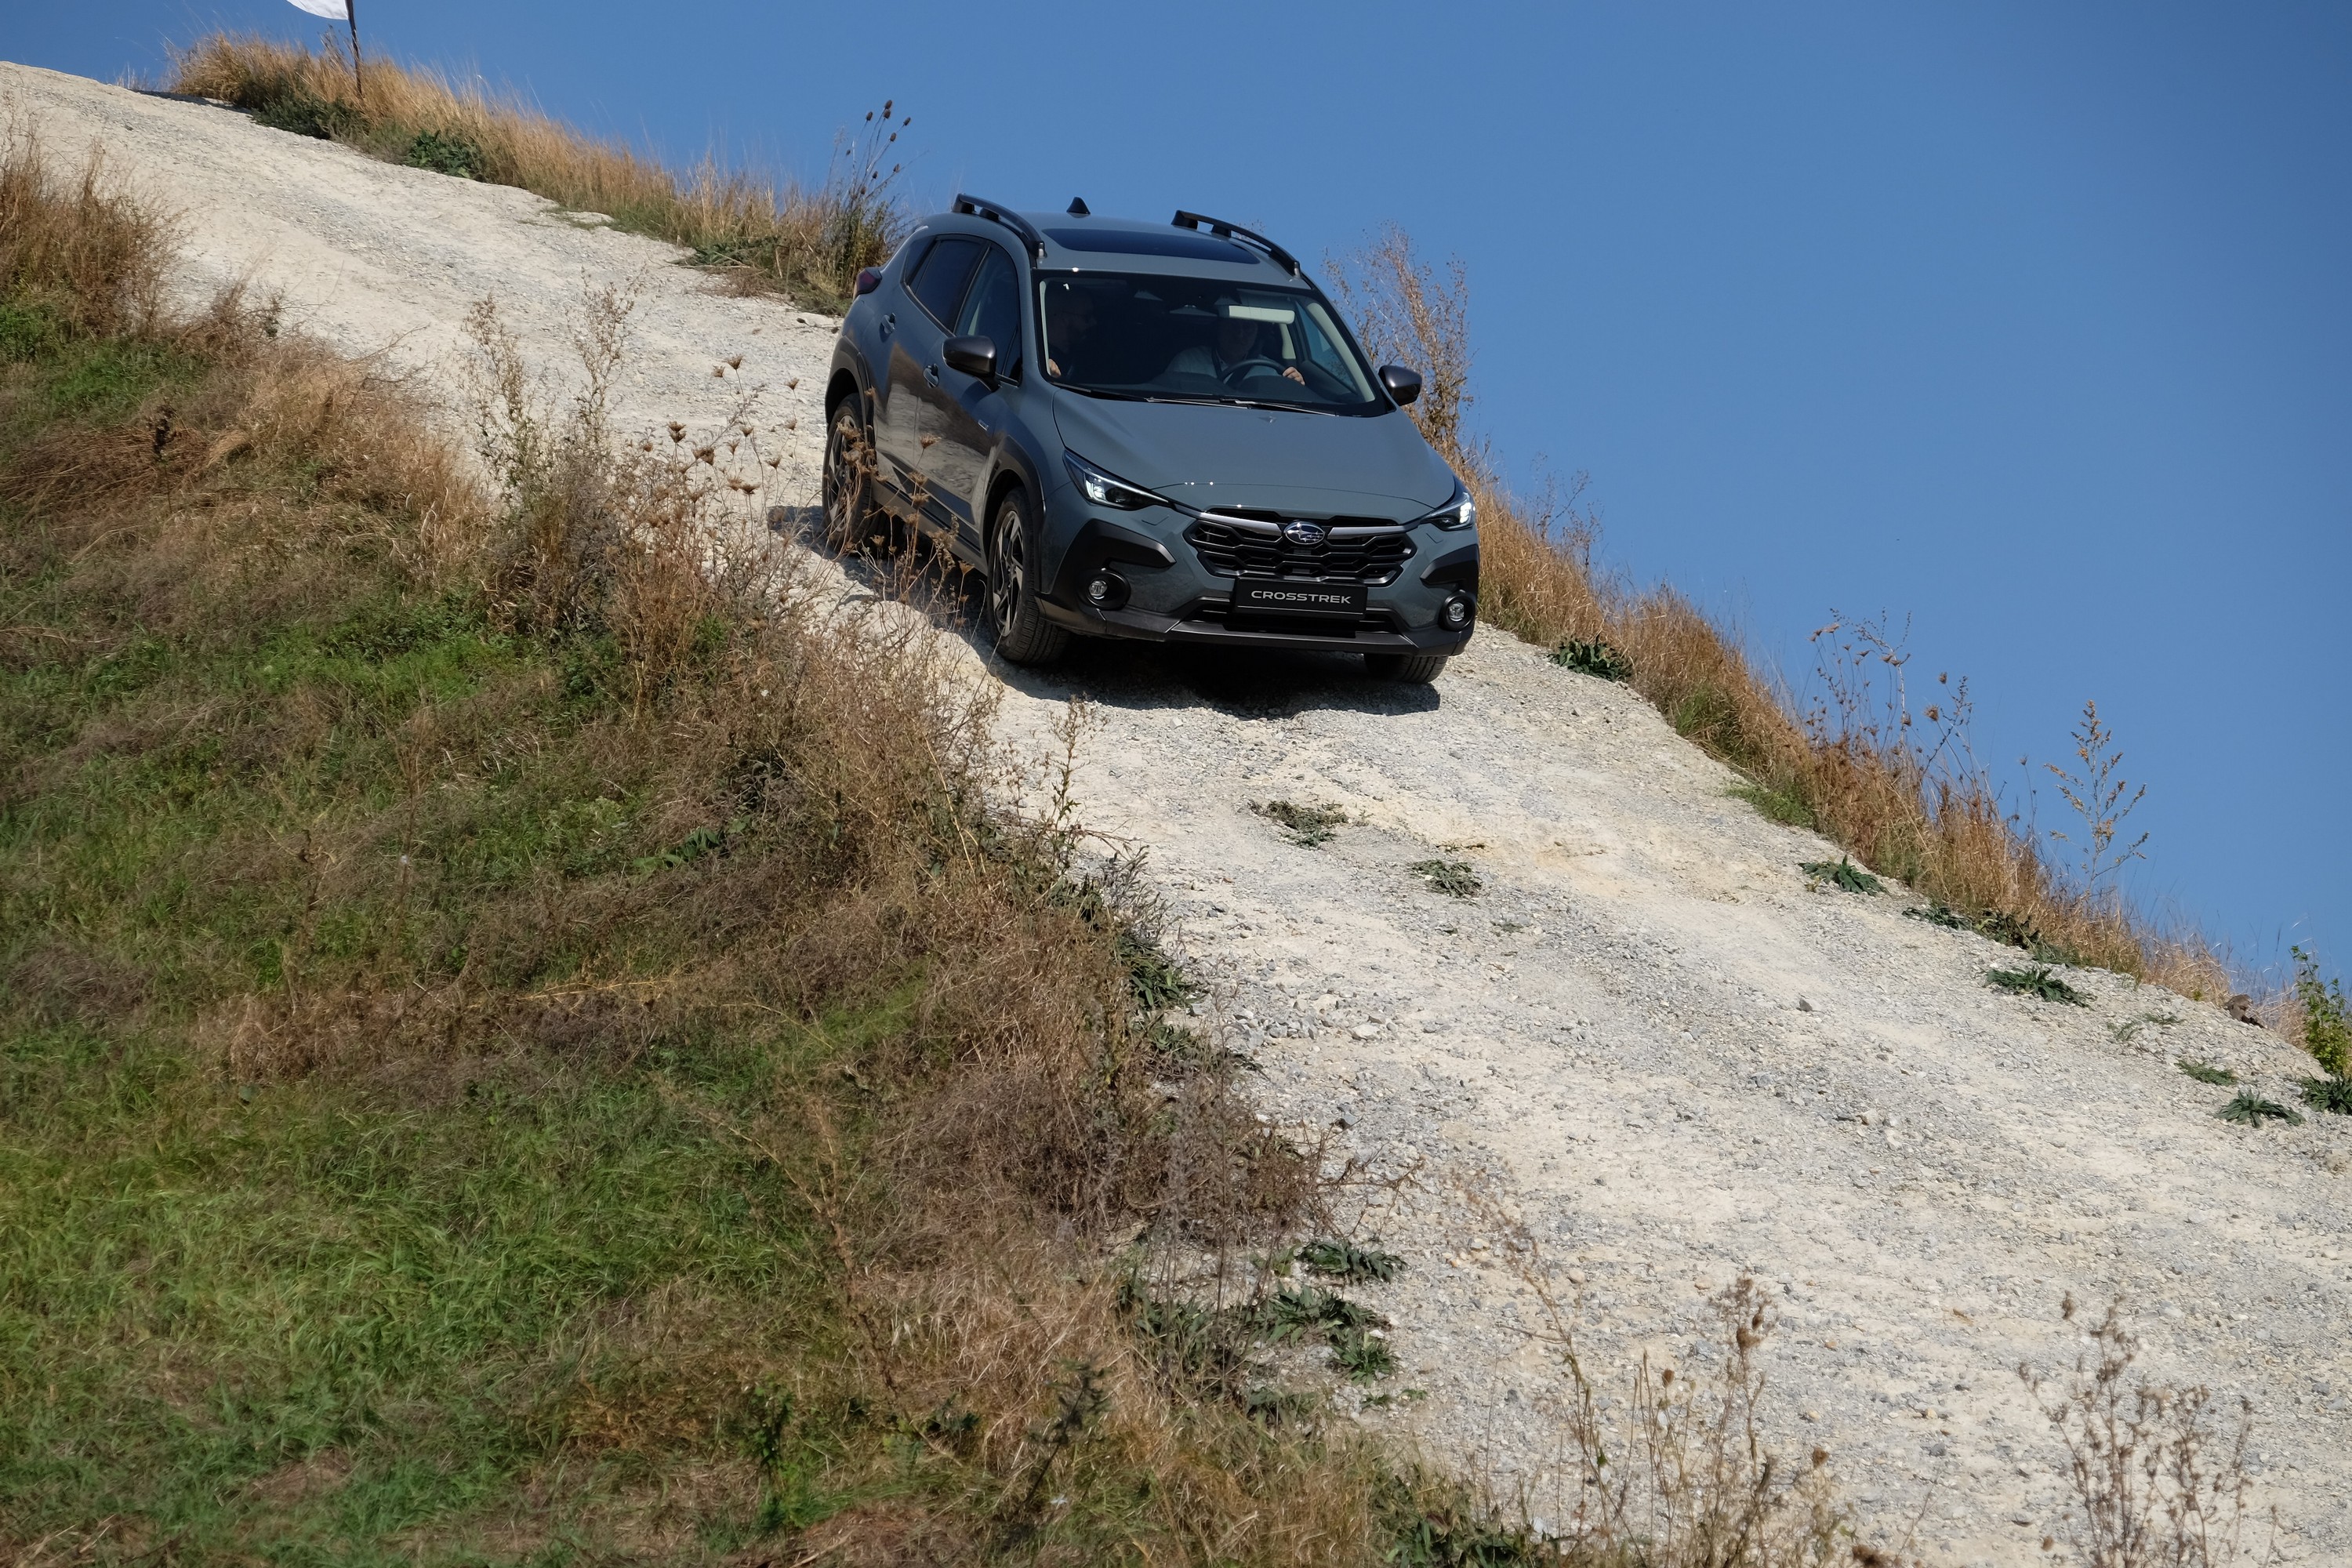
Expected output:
(2028, 323)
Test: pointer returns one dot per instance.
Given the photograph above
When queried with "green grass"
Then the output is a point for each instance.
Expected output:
(445, 154)
(207, 1288)
(2206, 1072)
(1782, 806)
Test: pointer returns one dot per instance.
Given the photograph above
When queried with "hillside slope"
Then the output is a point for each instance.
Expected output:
(1648, 1036)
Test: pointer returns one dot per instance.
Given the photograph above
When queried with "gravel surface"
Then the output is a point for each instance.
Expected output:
(1647, 1037)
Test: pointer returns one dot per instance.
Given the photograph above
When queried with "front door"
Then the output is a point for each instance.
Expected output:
(963, 412)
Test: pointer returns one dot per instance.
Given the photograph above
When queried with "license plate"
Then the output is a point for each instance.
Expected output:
(1278, 596)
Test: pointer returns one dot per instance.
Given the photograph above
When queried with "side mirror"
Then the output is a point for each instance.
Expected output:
(975, 357)
(868, 280)
(1402, 385)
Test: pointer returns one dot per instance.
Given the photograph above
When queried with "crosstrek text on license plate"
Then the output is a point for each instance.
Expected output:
(1275, 597)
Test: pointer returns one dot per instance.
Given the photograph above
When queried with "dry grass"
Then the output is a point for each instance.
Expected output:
(72, 248)
(767, 234)
(1884, 772)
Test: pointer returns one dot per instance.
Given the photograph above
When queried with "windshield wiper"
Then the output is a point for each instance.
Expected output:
(1288, 408)
(1231, 403)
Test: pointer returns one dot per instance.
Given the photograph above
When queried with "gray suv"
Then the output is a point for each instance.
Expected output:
(1145, 431)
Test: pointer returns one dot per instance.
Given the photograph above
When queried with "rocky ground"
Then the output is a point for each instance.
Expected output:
(1646, 1057)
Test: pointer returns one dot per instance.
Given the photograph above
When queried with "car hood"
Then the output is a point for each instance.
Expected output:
(1221, 456)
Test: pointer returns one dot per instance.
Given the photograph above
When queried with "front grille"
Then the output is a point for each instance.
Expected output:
(1366, 550)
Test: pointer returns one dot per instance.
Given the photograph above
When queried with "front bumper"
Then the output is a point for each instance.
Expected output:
(1170, 595)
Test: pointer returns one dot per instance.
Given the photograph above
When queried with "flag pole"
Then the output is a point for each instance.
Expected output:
(352, 15)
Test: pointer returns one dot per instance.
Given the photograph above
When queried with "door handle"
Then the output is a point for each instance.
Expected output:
(931, 374)
(890, 324)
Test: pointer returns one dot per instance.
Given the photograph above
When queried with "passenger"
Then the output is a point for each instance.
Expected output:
(1069, 323)
(1238, 341)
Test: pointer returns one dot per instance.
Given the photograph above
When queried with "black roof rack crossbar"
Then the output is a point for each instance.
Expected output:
(1008, 217)
(1224, 230)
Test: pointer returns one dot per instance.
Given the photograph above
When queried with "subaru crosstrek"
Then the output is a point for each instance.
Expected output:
(1140, 430)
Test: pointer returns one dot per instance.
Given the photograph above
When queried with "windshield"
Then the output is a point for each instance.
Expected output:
(1199, 340)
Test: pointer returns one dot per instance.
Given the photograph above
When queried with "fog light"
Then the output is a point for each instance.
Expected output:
(1104, 590)
(1455, 615)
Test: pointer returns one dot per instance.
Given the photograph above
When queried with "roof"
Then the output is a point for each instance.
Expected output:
(1062, 241)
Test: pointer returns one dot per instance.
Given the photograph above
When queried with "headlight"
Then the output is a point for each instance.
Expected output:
(1459, 512)
(1105, 490)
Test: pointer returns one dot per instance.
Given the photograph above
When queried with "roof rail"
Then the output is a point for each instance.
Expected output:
(1224, 230)
(1008, 217)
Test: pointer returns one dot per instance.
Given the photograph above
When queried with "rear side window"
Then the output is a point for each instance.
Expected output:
(992, 309)
(940, 277)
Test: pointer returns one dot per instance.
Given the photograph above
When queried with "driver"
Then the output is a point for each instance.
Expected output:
(1238, 341)
(1069, 323)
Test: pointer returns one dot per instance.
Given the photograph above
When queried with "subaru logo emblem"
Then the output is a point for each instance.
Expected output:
(1303, 532)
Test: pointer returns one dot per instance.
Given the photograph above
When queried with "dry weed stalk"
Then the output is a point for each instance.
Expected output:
(1678, 1471)
(2101, 798)
(2157, 1482)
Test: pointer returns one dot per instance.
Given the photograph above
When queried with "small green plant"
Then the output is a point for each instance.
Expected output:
(1841, 874)
(1593, 657)
(445, 154)
(1176, 1053)
(1305, 825)
(1452, 877)
(1154, 980)
(2326, 1018)
(1936, 912)
(2251, 1109)
(1353, 1333)
(2037, 980)
(2206, 1072)
(2332, 1095)
(1361, 1354)
(1347, 1262)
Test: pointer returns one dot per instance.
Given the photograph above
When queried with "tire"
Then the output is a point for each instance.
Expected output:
(852, 522)
(1411, 668)
(1023, 635)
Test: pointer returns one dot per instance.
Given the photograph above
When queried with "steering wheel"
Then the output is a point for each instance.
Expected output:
(1255, 366)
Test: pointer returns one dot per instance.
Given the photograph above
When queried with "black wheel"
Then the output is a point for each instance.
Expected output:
(1411, 669)
(852, 519)
(1023, 635)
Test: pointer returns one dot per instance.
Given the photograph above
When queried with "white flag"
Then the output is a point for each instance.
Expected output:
(340, 10)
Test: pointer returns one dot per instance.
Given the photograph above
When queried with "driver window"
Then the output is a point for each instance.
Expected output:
(992, 309)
